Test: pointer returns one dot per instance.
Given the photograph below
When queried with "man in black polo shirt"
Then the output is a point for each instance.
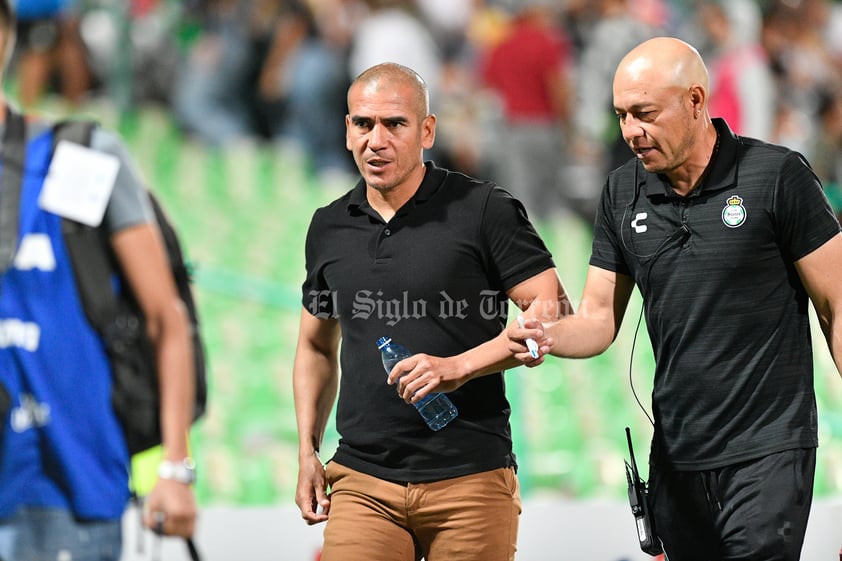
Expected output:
(431, 259)
(727, 238)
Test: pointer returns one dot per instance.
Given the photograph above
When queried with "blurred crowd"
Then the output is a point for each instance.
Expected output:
(522, 88)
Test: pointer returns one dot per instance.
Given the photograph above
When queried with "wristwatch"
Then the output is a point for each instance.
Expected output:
(183, 471)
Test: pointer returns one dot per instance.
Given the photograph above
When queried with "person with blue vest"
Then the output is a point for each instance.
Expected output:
(64, 462)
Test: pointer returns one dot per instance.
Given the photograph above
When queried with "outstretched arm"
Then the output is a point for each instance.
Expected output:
(542, 296)
(588, 332)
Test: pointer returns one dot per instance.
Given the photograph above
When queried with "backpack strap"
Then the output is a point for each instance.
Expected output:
(79, 132)
(87, 246)
(93, 264)
(11, 179)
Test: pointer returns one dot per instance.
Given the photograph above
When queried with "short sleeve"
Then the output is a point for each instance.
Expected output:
(803, 215)
(315, 292)
(606, 252)
(515, 249)
(129, 204)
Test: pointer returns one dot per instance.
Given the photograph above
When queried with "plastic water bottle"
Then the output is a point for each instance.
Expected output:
(436, 408)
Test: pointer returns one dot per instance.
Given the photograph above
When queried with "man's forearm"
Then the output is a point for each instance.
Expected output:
(487, 358)
(578, 336)
(315, 383)
(175, 364)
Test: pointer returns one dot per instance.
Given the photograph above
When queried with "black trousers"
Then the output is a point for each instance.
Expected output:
(752, 511)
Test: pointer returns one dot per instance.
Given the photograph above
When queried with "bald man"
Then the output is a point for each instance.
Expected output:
(728, 239)
(431, 259)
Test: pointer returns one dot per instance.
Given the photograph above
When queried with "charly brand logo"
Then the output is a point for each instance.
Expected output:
(637, 223)
(734, 213)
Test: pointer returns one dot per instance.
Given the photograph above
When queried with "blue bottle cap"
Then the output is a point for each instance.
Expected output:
(383, 341)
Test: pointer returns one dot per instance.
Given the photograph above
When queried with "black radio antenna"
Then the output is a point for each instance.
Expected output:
(631, 452)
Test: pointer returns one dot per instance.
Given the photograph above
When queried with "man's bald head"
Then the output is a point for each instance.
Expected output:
(393, 74)
(665, 61)
(661, 97)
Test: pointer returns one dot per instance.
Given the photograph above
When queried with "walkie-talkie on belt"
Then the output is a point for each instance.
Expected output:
(643, 517)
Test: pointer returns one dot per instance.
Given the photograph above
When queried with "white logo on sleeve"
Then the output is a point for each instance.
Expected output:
(35, 252)
(637, 223)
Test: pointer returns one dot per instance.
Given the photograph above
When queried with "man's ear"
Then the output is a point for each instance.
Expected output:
(428, 131)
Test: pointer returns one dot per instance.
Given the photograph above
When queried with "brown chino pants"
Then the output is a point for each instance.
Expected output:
(469, 518)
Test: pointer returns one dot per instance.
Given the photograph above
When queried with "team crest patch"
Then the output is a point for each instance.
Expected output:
(734, 213)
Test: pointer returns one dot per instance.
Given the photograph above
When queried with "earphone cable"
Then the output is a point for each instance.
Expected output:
(631, 369)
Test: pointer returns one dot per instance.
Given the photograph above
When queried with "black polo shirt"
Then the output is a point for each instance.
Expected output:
(433, 278)
(726, 312)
